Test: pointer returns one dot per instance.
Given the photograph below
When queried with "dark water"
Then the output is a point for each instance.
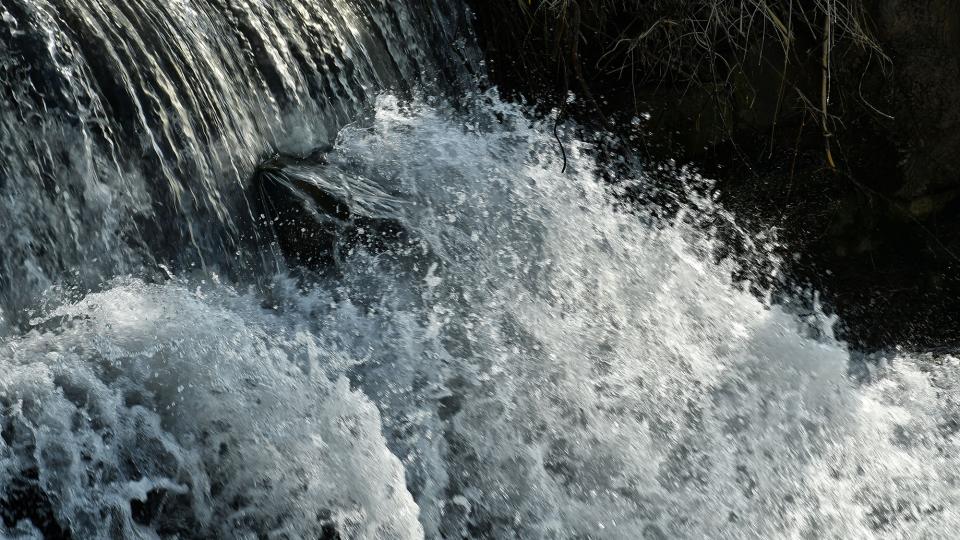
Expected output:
(527, 357)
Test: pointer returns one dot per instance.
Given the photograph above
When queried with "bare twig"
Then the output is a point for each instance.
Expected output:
(708, 42)
(825, 83)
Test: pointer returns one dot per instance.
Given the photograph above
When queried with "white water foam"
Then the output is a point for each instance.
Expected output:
(206, 399)
(535, 361)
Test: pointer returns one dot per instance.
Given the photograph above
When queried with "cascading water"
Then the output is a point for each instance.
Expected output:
(130, 128)
(527, 357)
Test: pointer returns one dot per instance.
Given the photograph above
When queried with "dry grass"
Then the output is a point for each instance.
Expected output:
(687, 37)
(708, 43)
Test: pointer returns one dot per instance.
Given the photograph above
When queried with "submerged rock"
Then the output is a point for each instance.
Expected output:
(316, 214)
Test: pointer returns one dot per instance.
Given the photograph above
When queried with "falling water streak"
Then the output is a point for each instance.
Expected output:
(173, 103)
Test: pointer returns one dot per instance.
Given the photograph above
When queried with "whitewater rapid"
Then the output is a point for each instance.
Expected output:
(535, 359)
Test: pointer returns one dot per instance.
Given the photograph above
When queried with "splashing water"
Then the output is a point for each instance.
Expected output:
(531, 360)
(161, 410)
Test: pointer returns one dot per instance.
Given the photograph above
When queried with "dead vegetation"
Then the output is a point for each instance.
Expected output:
(713, 45)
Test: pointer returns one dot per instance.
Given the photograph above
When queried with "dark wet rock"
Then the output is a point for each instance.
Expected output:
(314, 225)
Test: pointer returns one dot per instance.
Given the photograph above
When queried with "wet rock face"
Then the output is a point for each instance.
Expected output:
(923, 39)
(313, 227)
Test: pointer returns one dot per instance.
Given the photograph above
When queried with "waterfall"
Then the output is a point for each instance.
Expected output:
(130, 128)
(280, 270)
